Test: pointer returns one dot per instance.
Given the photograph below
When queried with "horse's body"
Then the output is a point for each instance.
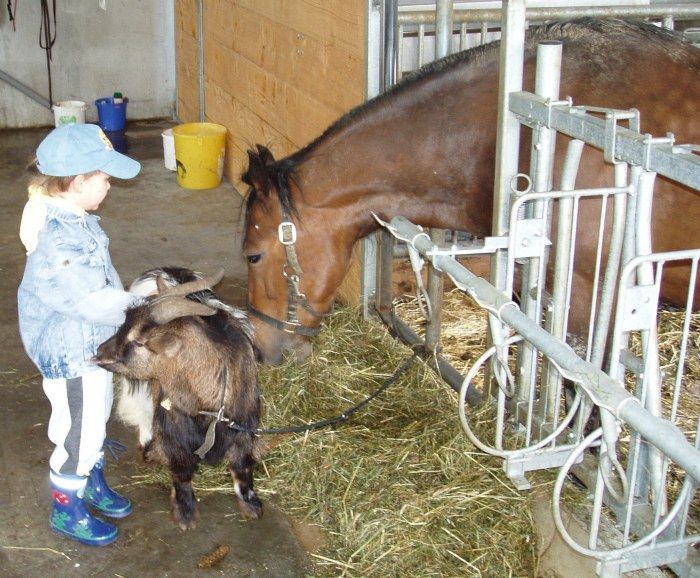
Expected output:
(426, 148)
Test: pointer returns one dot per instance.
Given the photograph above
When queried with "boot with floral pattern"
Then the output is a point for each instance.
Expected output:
(70, 516)
(102, 497)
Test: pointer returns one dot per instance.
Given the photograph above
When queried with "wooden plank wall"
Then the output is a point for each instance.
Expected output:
(277, 72)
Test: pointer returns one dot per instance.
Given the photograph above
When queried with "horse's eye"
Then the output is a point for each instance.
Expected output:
(252, 259)
(136, 344)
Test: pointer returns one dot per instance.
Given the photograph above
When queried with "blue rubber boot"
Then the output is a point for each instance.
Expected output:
(70, 516)
(103, 498)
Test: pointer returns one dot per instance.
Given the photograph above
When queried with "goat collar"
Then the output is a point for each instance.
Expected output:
(210, 436)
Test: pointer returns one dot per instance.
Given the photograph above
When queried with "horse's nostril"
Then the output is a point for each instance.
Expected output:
(274, 358)
(302, 349)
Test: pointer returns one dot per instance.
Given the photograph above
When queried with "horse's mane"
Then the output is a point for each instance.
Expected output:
(605, 35)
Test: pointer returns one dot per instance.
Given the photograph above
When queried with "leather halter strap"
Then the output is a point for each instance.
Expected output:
(287, 235)
(286, 326)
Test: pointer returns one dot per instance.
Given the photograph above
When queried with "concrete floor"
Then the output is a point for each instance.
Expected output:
(150, 221)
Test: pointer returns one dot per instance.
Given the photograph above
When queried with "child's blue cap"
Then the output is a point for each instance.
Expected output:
(77, 149)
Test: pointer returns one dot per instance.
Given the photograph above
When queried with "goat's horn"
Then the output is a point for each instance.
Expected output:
(161, 285)
(192, 286)
(172, 307)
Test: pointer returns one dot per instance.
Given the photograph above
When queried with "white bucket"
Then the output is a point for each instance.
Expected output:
(169, 150)
(69, 112)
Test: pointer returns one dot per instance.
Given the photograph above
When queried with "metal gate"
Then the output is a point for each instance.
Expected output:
(643, 470)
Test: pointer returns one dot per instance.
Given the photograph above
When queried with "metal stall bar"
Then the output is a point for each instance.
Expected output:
(558, 308)
(443, 42)
(682, 10)
(651, 388)
(547, 80)
(368, 245)
(24, 89)
(377, 248)
(653, 154)
(510, 79)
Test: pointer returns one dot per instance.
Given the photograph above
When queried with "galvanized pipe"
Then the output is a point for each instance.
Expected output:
(508, 125)
(385, 242)
(390, 42)
(443, 28)
(563, 270)
(443, 43)
(24, 89)
(507, 146)
(547, 80)
(612, 269)
(421, 45)
(630, 146)
(650, 342)
(685, 10)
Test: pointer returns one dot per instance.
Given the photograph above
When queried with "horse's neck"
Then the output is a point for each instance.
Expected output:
(350, 205)
(394, 159)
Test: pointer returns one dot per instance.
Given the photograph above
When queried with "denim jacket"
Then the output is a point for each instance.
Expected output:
(70, 298)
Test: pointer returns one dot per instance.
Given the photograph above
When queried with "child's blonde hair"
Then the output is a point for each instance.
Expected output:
(48, 185)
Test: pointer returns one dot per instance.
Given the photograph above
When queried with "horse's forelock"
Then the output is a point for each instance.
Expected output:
(265, 175)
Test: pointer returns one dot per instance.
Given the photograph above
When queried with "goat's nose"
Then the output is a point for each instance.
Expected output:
(101, 360)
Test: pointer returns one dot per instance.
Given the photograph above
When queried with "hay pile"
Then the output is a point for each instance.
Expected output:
(398, 490)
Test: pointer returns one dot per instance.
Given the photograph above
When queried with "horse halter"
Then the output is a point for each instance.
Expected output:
(287, 235)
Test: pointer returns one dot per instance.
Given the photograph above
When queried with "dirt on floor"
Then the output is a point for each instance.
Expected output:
(151, 221)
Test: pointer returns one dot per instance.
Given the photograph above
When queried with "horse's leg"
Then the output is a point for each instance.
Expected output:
(241, 470)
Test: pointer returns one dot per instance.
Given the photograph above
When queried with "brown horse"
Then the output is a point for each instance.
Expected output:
(425, 150)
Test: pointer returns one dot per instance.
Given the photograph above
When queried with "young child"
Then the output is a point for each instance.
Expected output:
(71, 300)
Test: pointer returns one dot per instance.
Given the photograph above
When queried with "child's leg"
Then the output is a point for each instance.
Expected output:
(80, 408)
(79, 411)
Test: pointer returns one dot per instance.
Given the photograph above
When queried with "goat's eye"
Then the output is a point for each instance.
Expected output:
(136, 344)
(252, 259)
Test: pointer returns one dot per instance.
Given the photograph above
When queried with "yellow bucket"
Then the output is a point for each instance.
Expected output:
(199, 154)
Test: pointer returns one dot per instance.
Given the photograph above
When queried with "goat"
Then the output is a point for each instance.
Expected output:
(191, 353)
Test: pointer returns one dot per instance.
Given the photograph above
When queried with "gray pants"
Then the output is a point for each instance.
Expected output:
(80, 408)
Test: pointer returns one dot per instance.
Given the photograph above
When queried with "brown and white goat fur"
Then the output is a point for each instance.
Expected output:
(183, 352)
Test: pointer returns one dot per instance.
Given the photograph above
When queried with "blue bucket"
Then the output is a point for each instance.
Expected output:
(111, 116)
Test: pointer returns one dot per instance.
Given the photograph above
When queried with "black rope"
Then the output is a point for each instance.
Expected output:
(334, 420)
(47, 38)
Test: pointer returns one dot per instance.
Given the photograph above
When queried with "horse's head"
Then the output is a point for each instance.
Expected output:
(293, 264)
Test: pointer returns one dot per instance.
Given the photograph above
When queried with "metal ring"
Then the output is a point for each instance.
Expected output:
(514, 183)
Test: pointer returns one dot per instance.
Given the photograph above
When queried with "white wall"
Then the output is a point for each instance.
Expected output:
(129, 47)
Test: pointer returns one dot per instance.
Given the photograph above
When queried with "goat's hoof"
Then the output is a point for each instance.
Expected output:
(184, 526)
(185, 521)
(252, 509)
(146, 454)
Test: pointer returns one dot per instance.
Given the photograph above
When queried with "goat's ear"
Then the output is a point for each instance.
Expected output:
(167, 344)
(257, 175)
